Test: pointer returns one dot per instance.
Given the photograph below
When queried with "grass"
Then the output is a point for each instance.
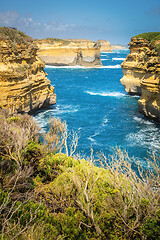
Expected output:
(14, 36)
(54, 40)
(150, 36)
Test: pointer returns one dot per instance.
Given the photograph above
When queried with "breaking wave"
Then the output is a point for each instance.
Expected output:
(106, 94)
(81, 67)
(118, 59)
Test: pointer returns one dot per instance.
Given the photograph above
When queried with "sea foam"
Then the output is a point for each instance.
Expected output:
(81, 67)
(118, 59)
(106, 94)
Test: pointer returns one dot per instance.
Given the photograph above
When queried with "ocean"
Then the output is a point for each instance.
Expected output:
(93, 103)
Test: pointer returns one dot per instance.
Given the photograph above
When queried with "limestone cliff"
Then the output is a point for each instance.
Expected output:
(105, 46)
(24, 86)
(70, 52)
(141, 71)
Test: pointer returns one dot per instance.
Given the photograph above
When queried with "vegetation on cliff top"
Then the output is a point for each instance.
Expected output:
(150, 36)
(153, 38)
(53, 40)
(14, 35)
(45, 194)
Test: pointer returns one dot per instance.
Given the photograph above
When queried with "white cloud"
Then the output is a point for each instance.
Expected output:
(56, 29)
(31, 27)
(8, 18)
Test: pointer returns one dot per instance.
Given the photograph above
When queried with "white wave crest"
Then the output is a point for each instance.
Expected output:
(81, 67)
(118, 59)
(106, 94)
(42, 118)
(92, 140)
(148, 137)
(105, 53)
(110, 66)
(104, 59)
(105, 121)
(143, 121)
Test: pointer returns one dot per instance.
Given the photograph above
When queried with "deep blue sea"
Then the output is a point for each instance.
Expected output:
(93, 102)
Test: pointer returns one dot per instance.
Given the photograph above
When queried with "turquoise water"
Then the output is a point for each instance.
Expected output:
(93, 102)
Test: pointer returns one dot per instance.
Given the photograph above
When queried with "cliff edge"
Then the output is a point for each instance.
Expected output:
(24, 86)
(105, 46)
(69, 52)
(141, 71)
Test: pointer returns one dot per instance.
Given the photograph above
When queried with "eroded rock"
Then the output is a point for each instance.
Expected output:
(24, 86)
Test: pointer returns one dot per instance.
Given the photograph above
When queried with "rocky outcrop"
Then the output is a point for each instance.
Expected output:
(24, 86)
(141, 71)
(58, 52)
(105, 46)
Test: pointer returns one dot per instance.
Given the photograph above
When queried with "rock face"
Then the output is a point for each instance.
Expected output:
(141, 71)
(23, 83)
(105, 46)
(70, 52)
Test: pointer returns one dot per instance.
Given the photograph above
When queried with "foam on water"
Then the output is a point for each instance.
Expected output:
(114, 66)
(118, 59)
(146, 136)
(106, 52)
(143, 121)
(93, 101)
(81, 67)
(105, 122)
(43, 117)
(91, 138)
(106, 94)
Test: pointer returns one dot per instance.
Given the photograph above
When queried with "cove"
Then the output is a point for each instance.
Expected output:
(93, 103)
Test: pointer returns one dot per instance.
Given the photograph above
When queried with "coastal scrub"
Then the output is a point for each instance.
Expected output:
(49, 195)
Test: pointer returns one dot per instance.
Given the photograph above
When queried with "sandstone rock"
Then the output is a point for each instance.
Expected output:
(24, 86)
(105, 46)
(59, 52)
(141, 75)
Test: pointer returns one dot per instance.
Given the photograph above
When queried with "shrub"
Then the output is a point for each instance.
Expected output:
(14, 36)
(150, 36)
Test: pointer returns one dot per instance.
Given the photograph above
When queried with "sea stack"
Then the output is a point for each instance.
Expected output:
(24, 86)
(141, 71)
(69, 52)
(105, 46)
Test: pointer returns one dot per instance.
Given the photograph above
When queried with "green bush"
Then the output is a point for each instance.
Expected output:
(14, 36)
(151, 227)
(150, 36)
(46, 195)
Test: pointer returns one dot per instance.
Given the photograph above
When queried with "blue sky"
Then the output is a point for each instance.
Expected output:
(116, 21)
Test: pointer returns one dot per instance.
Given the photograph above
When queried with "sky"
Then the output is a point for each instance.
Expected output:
(115, 20)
